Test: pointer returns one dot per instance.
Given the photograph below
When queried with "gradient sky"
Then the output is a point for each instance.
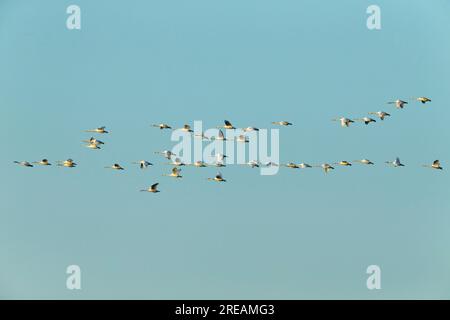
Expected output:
(295, 235)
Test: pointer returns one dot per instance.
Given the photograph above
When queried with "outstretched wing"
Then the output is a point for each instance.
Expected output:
(154, 186)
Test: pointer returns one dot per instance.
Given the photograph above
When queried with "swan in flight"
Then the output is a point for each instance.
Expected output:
(220, 157)
(423, 99)
(399, 104)
(174, 174)
(217, 178)
(92, 140)
(166, 153)
(381, 114)
(270, 164)
(152, 188)
(198, 164)
(435, 165)
(343, 163)
(162, 126)
(364, 161)
(291, 165)
(345, 122)
(67, 163)
(177, 162)
(227, 125)
(220, 136)
(395, 163)
(98, 130)
(24, 163)
(252, 164)
(93, 146)
(186, 128)
(250, 129)
(43, 162)
(202, 136)
(115, 166)
(143, 164)
(242, 138)
(218, 163)
(326, 167)
(282, 123)
(366, 120)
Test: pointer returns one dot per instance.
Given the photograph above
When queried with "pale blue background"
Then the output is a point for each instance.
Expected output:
(299, 234)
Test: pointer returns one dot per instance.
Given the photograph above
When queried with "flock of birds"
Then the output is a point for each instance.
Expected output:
(94, 143)
(399, 104)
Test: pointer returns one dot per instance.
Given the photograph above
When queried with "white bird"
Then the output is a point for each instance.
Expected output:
(242, 138)
(67, 163)
(343, 163)
(270, 164)
(98, 130)
(399, 104)
(220, 136)
(217, 178)
(282, 123)
(395, 163)
(304, 165)
(227, 125)
(435, 165)
(345, 122)
(201, 136)
(250, 129)
(366, 120)
(252, 164)
(291, 165)
(23, 163)
(162, 126)
(152, 188)
(186, 128)
(93, 140)
(380, 114)
(92, 146)
(198, 164)
(220, 157)
(364, 161)
(326, 167)
(177, 162)
(43, 162)
(218, 164)
(166, 153)
(115, 166)
(174, 174)
(143, 164)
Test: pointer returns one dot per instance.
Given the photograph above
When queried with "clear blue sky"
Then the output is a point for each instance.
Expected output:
(299, 234)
